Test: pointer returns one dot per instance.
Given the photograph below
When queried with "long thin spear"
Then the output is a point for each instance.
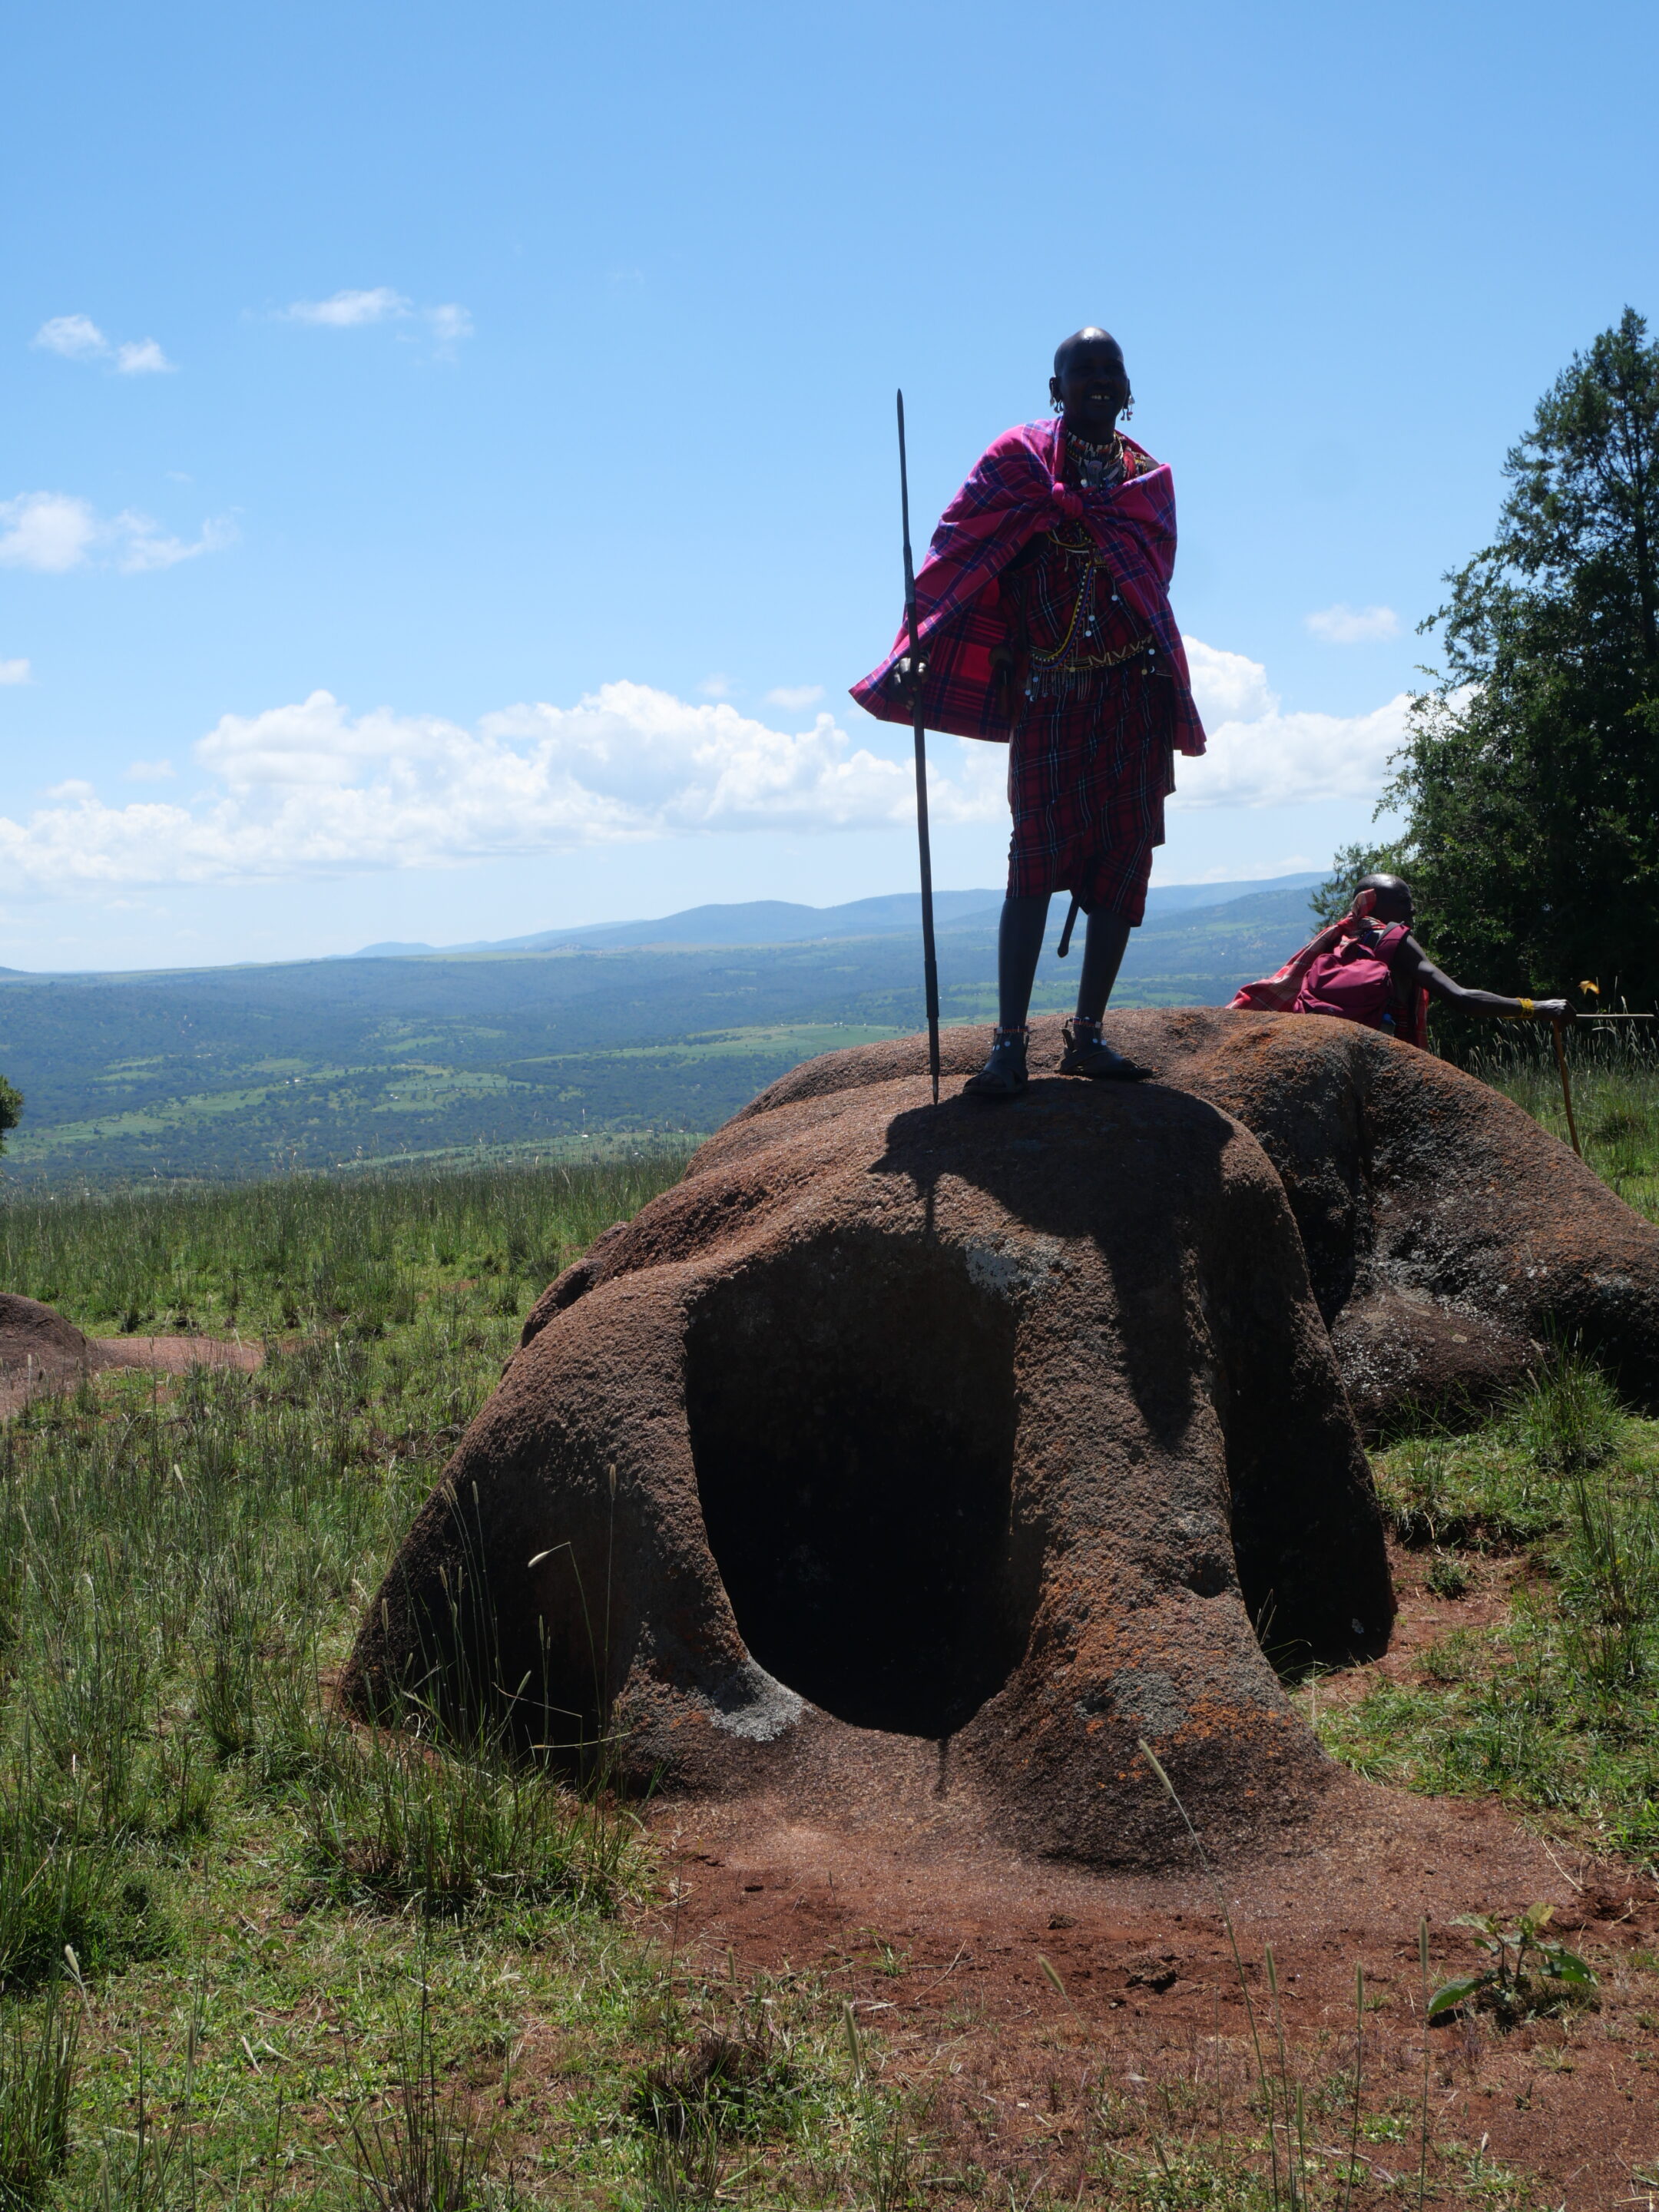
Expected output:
(929, 964)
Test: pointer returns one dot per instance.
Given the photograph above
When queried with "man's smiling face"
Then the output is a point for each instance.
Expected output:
(1091, 383)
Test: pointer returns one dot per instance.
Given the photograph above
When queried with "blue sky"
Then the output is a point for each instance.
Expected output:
(446, 474)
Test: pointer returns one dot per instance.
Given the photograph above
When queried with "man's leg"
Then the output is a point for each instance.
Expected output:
(1103, 955)
(1086, 1051)
(1019, 946)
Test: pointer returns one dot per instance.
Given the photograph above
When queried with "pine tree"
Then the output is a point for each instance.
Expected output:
(1530, 779)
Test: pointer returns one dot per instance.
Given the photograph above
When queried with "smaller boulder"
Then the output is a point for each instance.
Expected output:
(40, 1351)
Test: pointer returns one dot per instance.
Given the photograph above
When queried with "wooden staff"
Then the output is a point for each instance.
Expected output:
(1566, 1086)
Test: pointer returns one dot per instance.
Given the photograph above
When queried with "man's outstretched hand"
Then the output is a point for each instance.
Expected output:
(1554, 1010)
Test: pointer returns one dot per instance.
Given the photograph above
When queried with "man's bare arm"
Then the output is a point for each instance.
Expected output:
(1413, 967)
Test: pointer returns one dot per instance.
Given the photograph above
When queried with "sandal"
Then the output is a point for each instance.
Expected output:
(1004, 1074)
(1087, 1053)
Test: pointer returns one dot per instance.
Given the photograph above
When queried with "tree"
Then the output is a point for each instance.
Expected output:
(1530, 777)
(11, 1109)
(1332, 899)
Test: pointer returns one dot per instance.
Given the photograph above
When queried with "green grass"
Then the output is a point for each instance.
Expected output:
(239, 1901)
(357, 1254)
(251, 1955)
(1614, 1074)
(1555, 1706)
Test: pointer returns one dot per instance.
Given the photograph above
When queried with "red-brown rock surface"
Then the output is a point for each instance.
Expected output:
(898, 1450)
(40, 1351)
(1447, 1236)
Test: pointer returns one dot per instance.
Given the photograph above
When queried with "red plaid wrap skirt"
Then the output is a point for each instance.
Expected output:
(1087, 774)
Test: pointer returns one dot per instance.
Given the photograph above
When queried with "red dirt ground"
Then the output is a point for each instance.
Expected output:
(168, 1355)
(173, 1354)
(1152, 2006)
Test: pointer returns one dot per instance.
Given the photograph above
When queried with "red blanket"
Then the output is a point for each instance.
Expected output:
(1016, 490)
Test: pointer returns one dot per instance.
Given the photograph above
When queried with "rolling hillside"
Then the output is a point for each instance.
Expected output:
(234, 1072)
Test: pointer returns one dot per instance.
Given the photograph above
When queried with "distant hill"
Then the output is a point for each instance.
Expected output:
(234, 1072)
(777, 921)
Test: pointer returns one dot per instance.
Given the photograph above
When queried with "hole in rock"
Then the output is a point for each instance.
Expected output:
(851, 1407)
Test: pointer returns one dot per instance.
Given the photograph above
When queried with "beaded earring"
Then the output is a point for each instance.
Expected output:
(1059, 406)
(1127, 409)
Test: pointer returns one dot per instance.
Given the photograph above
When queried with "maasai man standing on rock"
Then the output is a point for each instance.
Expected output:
(1045, 621)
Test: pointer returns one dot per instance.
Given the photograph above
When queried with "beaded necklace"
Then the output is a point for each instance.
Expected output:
(1097, 466)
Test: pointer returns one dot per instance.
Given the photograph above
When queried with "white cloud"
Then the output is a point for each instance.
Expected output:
(15, 671)
(346, 310)
(1227, 686)
(78, 337)
(1259, 755)
(449, 323)
(715, 686)
(1346, 625)
(795, 696)
(151, 771)
(53, 531)
(311, 789)
(46, 530)
(142, 357)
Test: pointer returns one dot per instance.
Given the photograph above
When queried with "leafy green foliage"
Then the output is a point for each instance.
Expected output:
(1528, 1972)
(11, 1109)
(1333, 898)
(1530, 779)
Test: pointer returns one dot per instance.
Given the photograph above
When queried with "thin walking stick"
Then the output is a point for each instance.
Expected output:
(1566, 1087)
(929, 964)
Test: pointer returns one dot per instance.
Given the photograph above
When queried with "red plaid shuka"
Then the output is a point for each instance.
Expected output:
(1089, 771)
(1017, 490)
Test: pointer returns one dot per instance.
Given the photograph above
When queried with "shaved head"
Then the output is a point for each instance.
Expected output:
(1091, 385)
(1089, 334)
(1393, 896)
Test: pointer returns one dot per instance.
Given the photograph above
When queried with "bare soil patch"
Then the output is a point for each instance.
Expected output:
(938, 1939)
(54, 1357)
(173, 1355)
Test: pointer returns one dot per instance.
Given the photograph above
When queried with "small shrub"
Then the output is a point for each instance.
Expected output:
(1448, 1577)
(725, 2085)
(430, 2152)
(1569, 1418)
(1527, 1973)
(391, 1817)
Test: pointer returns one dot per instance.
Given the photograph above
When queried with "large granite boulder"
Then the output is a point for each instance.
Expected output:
(1448, 1237)
(923, 1449)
